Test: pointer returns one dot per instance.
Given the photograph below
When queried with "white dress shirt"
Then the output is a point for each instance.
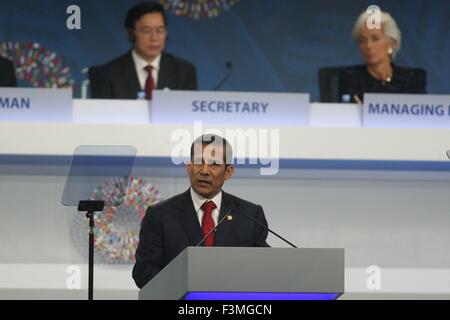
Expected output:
(198, 201)
(142, 74)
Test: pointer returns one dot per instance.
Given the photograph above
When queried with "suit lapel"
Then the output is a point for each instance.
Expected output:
(189, 218)
(165, 73)
(227, 226)
(130, 76)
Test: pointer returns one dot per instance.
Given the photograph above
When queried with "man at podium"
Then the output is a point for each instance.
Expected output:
(204, 215)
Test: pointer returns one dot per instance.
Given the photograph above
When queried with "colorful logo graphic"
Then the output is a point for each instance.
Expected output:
(198, 9)
(117, 227)
(37, 65)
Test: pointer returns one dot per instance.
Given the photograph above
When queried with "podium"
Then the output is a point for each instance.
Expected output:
(241, 273)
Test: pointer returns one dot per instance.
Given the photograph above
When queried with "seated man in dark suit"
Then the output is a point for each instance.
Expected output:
(184, 220)
(146, 66)
(7, 73)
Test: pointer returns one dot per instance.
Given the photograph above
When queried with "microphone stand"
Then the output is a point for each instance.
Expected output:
(268, 229)
(90, 207)
(213, 229)
(229, 71)
(250, 218)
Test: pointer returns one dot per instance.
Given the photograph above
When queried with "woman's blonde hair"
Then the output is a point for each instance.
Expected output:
(387, 23)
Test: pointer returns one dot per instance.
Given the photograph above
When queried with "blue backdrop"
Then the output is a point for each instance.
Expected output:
(274, 45)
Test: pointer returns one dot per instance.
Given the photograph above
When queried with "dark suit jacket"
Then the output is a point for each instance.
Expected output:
(172, 225)
(357, 80)
(7, 73)
(118, 79)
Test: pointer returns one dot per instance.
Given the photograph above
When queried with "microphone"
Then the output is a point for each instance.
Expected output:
(448, 153)
(213, 230)
(229, 66)
(264, 226)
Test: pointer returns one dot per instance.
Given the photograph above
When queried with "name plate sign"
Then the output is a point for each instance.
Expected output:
(35, 105)
(230, 108)
(406, 111)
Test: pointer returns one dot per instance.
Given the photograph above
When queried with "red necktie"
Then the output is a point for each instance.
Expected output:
(149, 85)
(208, 222)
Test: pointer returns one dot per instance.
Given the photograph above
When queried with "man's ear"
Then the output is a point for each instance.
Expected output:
(229, 170)
(188, 167)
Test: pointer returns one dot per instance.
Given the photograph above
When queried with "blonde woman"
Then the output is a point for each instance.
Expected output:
(378, 48)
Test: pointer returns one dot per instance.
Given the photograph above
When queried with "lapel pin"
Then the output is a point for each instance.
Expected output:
(230, 218)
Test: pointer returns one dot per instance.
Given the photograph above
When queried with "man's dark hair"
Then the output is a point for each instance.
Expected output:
(137, 11)
(208, 139)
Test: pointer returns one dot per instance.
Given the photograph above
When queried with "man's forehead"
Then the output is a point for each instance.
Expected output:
(212, 149)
